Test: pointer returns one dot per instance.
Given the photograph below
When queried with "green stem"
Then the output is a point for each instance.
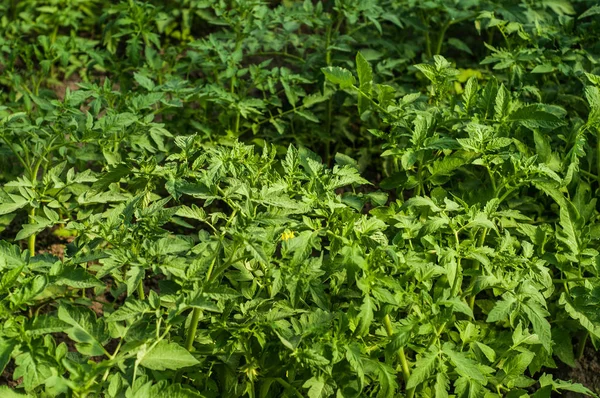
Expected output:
(140, 290)
(32, 237)
(191, 334)
(19, 157)
(581, 348)
(440, 42)
(288, 386)
(477, 264)
(598, 154)
(405, 369)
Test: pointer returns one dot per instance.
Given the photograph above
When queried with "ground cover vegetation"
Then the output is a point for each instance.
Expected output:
(349, 198)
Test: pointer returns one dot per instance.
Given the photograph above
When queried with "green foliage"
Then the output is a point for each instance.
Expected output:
(439, 238)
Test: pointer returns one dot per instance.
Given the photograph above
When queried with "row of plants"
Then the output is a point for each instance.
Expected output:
(299, 198)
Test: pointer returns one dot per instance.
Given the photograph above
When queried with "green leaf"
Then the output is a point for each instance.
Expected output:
(536, 314)
(365, 73)
(34, 370)
(468, 388)
(365, 316)
(544, 68)
(32, 229)
(593, 10)
(354, 358)
(563, 346)
(488, 97)
(306, 114)
(10, 256)
(18, 203)
(165, 355)
(502, 103)
(469, 96)
(134, 278)
(516, 365)
(560, 7)
(89, 332)
(582, 317)
(502, 309)
(464, 366)
(173, 391)
(458, 305)
(423, 370)
(317, 387)
(340, 76)
(460, 45)
(47, 323)
(537, 116)
(7, 392)
(6, 349)
(387, 381)
(489, 352)
(569, 234)
(199, 300)
(77, 277)
(113, 175)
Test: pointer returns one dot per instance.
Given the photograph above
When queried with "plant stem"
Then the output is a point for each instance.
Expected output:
(288, 386)
(477, 264)
(440, 42)
(598, 154)
(32, 237)
(581, 348)
(405, 369)
(140, 289)
(191, 333)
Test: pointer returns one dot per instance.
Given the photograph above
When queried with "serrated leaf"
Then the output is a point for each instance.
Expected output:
(77, 277)
(501, 310)
(516, 365)
(6, 349)
(86, 330)
(18, 203)
(423, 370)
(536, 314)
(134, 278)
(166, 355)
(442, 385)
(536, 117)
(31, 229)
(144, 81)
(317, 387)
(464, 366)
(364, 71)
(342, 77)
(502, 103)
(593, 10)
(365, 316)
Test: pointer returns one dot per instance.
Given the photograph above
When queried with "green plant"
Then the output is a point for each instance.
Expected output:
(165, 229)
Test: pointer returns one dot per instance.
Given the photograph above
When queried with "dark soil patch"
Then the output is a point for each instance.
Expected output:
(586, 372)
(6, 376)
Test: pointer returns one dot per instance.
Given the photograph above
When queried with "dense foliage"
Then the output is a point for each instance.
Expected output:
(349, 198)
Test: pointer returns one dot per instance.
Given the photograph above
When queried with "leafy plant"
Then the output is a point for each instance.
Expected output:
(250, 199)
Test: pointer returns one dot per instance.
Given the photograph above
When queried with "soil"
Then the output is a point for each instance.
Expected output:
(586, 372)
